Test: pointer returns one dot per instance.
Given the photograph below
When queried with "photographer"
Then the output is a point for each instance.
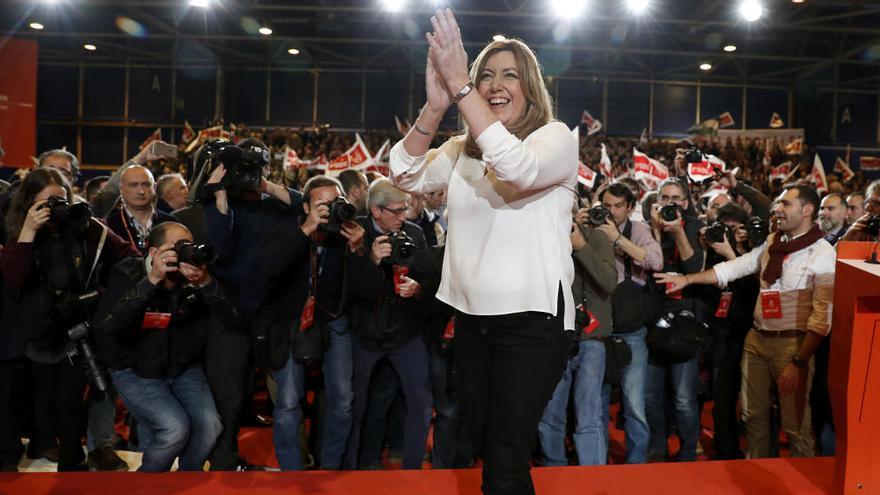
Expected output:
(595, 279)
(867, 226)
(731, 320)
(390, 288)
(678, 233)
(56, 258)
(307, 269)
(636, 253)
(243, 213)
(151, 327)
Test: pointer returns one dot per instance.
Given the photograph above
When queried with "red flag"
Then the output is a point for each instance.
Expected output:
(357, 157)
(776, 121)
(586, 176)
(725, 120)
(211, 132)
(291, 160)
(705, 169)
(843, 169)
(593, 125)
(188, 133)
(869, 163)
(155, 136)
(795, 147)
(817, 175)
(380, 160)
(648, 171)
(782, 172)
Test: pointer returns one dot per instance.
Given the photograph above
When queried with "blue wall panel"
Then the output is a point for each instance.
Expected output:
(863, 110)
(674, 109)
(245, 96)
(628, 104)
(577, 95)
(195, 95)
(57, 92)
(103, 93)
(339, 98)
(760, 105)
(292, 97)
(149, 94)
(714, 101)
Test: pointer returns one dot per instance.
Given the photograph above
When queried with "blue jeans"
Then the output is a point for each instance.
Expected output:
(684, 379)
(287, 414)
(410, 361)
(633, 396)
(338, 394)
(587, 372)
(180, 414)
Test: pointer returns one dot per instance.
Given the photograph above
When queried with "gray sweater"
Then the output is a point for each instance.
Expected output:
(596, 275)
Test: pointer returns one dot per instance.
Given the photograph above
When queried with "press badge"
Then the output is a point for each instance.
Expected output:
(771, 304)
(308, 315)
(581, 315)
(399, 272)
(723, 305)
(155, 321)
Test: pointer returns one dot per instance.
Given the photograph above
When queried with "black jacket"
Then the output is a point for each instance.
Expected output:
(377, 316)
(156, 353)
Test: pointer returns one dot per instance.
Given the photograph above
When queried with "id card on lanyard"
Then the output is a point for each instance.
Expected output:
(724, 305)
(771, 304)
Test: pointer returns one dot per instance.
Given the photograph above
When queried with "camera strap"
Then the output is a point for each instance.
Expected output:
(627, 260)
(313, 282)
(98, 250)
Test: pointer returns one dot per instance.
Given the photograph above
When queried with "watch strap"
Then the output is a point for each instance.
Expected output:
(463, 92)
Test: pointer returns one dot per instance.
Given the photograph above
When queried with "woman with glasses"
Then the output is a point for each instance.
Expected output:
(507, 270)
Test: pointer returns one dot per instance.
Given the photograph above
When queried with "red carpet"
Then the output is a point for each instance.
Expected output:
(764, 477)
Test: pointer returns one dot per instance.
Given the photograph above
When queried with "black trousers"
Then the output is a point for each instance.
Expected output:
(62, 386)
(507, 368)
(726, 354)
(14, 375)
(227, 367)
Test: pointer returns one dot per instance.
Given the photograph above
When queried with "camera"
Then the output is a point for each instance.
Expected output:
(693, 154)
(341, 211)
(403, 248)
(670, 212)
(193, 254)
(63, 214)
(597, 215)
(79, 335)
(758, 230)
(872, 226)
(244, 166)
(716, 231)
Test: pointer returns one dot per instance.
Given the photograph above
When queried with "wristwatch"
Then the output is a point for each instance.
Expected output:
(797, 361)
(463, 92)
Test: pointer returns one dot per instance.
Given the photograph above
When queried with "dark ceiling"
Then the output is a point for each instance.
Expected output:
(812, 43)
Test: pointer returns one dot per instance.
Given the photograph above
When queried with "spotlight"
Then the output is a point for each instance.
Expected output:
(499, 37)
(797, 1)
(90, 47)
(637, 6)
(393, 5)
(265, 31)
(568, 9)
(730, 48)
(705, 66)
(36, 25)
(751, 10)
(293, 51)
(199, 3)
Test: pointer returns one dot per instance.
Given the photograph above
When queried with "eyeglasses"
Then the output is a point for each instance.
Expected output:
(394, 211)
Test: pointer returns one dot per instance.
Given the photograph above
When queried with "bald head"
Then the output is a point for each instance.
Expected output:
(137, 188)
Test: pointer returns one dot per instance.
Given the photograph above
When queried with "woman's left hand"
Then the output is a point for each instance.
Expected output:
(447, 51)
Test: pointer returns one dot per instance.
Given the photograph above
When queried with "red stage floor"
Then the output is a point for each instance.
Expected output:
(759, 477)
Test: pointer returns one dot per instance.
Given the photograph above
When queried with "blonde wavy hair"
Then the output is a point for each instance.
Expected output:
(539, 106)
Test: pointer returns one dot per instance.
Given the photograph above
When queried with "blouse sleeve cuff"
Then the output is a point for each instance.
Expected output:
(401, 162)
(491, 140)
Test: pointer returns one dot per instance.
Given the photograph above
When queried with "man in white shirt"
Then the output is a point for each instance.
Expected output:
(792, 316)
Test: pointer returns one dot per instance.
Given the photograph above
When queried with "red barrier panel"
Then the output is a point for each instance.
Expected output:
(18, 101)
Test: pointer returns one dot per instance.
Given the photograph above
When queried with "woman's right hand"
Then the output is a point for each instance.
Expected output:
(439, 99)
(37, 216)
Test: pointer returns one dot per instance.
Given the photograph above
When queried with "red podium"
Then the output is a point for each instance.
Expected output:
(854, 373)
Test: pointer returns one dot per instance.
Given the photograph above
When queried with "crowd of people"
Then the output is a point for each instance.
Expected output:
(478, 289)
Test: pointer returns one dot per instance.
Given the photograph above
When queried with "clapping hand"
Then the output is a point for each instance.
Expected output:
(447, 57)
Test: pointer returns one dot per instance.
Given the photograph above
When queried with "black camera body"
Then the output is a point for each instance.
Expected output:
(597, 215)
(758, 231)
(693, 154)
(341, 211)
(244, 166)
(193, 254)
(872, 226)
(403, 248)
(63, 215)
(670, 212)
(716, 232)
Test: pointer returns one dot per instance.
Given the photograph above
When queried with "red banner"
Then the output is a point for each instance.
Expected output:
(18, 102)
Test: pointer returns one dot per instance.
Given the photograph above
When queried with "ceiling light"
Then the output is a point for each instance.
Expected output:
(751, 10)
(499, 37)
(199, 3)
(705, 66)
(393, 5)
(637, 6)
(568, 9)
(36, 25)
(293, 51)
(797, 1)
(90, 47)
(265, 31)
(730, 48)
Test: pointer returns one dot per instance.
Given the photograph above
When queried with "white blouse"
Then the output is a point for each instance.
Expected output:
(507, 245)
